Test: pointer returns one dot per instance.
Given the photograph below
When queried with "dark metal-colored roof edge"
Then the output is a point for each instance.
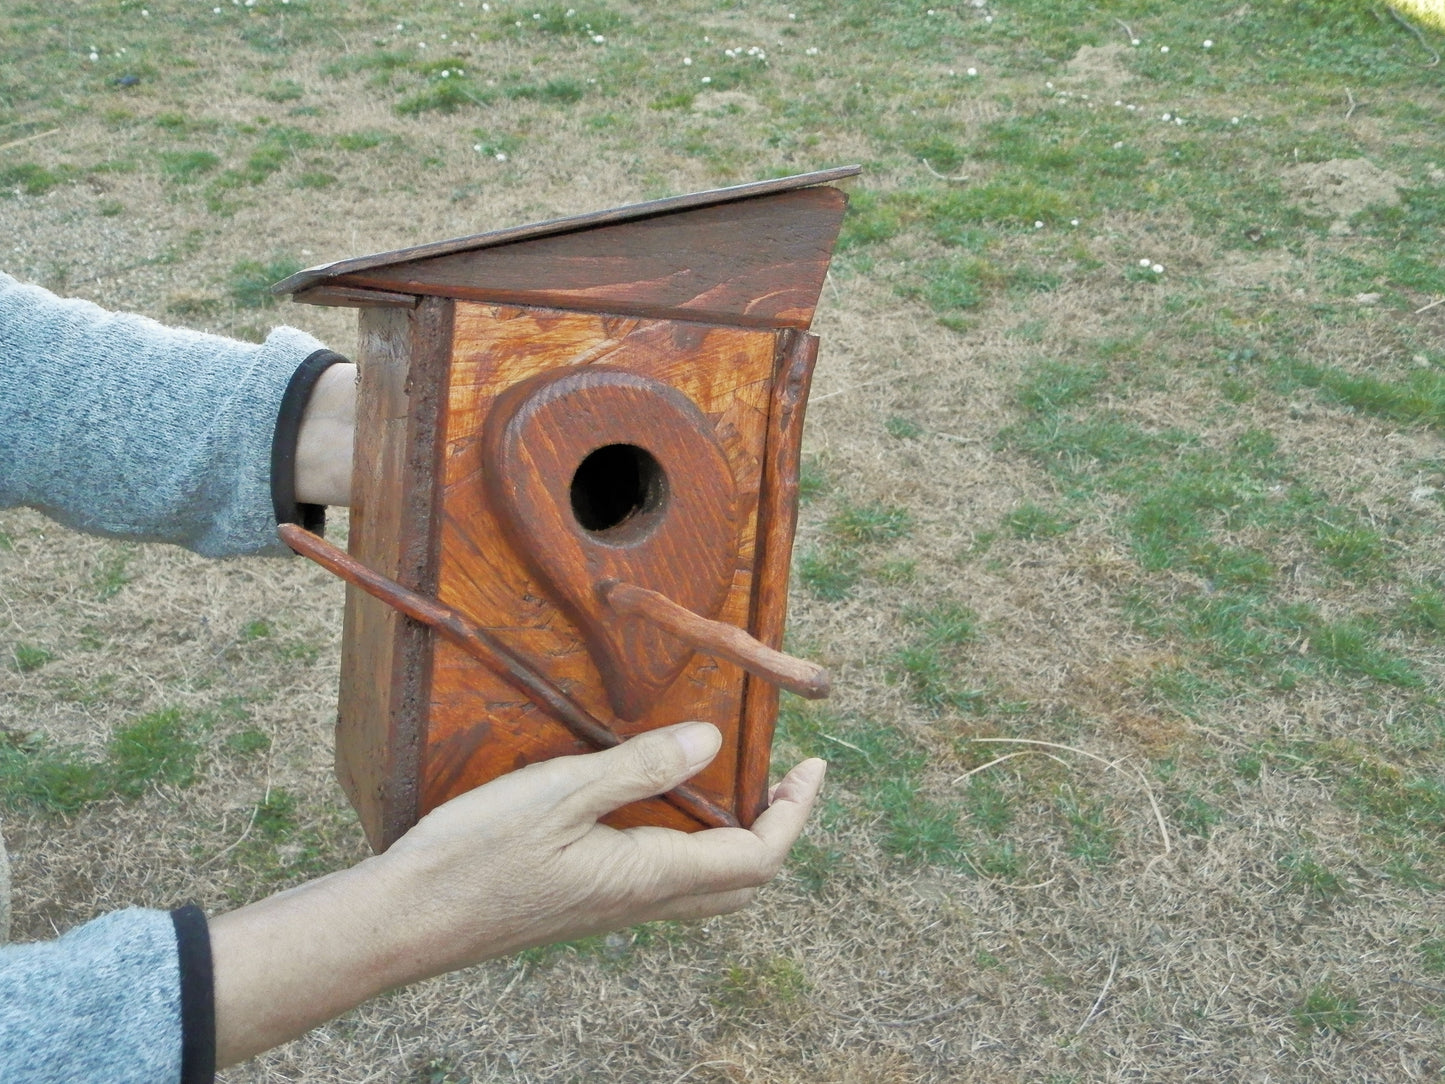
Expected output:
(314, 275)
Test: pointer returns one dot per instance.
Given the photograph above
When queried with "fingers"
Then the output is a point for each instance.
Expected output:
(782, 822)
(641, 767)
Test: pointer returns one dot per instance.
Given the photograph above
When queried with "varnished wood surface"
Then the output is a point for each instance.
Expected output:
(754, 263)
(303, 280)
(490, 652)
(386, 663)
(480, 727)
(677, 532)
(800, 676)
(797, 355)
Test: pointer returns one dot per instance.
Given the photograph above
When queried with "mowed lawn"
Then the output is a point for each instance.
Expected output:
(1123, 529)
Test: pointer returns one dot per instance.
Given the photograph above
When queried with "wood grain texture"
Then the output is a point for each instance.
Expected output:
(600, 474)
(491, 653)
(729, 642)
(386, 666)
(758, 262)
(312, 276)
(479, 727)
(796, 357)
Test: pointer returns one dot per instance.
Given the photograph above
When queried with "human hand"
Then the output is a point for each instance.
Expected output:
(523, 860)
(518, 862)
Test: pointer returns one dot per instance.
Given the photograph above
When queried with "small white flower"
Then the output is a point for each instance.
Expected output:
(1119, 145)
(988, 18)
(1073, 222)
(421, 45)
(501, 156)
(144, 13)
(447, 74)
(486, 7)
(1208, 44)
(791, 15)
(812, 50)
(536, 15)
(687, 62)
(1178, 120)
(1134, 41)
(1157, 268)
(1118, 103)
(1144, 263)
(570, 13)
(707, 79)
(598, 39)
(1163, 48)
(1038, 225)
(1048, 86)
(96, 56)
(400, 27)
(972, 72)
(1166, 117)
(215, 11)
(477, 147)
(1131, 108)
(1233, 120)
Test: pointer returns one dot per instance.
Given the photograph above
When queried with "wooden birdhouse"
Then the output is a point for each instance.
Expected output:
(574, 494)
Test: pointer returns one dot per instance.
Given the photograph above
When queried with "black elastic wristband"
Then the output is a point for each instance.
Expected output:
(198, 996)
(283, 443)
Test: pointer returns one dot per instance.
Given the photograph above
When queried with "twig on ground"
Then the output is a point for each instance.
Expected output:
(1408, 25)
(844, 391)
(1421, 985)
(960, 179)
(847, 744)
(1113, 967)
(1148, 790)
(1132, 38)
(1433, 304)
(28, 139)
(705, 1065)
(908, 1023)
(1350, 112)
(1009, 756)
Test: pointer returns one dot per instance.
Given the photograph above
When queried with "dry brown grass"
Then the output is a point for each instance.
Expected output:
(1163, 964)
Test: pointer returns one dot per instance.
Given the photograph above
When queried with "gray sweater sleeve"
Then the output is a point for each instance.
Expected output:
(117, 425)
(101, 1003)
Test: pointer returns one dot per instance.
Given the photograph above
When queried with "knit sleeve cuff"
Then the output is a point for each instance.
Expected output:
(198, 999)
(283, 443)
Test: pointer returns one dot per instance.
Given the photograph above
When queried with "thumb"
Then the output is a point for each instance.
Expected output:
(641, 767)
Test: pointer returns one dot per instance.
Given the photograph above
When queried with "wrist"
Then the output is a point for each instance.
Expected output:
(325, 439)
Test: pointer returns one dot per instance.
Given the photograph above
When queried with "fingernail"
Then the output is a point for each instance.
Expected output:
(700, 742)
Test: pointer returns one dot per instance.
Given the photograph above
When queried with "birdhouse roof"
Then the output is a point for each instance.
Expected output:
(753, 255)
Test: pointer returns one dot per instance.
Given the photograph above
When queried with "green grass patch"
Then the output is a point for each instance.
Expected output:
(159, 749)
(1325, 1008)
(31, 657)
(250, 282)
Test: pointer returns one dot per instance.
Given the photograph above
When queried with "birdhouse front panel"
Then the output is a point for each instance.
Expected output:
(574, 494)
(479, 726)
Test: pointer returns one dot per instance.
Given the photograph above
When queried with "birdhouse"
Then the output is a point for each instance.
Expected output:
(574, 494)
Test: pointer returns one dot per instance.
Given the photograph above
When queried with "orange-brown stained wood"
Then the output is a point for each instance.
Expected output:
(601, 474)
(479, 727)
(386, 666)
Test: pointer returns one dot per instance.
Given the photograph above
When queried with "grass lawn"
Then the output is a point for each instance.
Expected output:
(1123, 530)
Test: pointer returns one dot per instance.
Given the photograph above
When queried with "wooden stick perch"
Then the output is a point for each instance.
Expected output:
(455, 627)
(718, 638)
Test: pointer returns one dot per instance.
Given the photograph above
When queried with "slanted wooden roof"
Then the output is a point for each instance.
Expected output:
(754, 255)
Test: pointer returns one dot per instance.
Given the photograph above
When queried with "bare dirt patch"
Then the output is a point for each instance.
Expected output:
(1343, 187)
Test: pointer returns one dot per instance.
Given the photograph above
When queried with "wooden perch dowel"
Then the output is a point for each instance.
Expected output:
(492, 653)
(718, 638)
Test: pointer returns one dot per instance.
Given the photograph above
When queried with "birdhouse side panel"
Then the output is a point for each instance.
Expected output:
(386, 663)
(479, 727)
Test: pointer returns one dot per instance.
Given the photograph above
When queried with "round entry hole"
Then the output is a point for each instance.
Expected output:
(618, 485)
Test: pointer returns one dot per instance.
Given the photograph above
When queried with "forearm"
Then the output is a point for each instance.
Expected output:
(293, 961)
(117, 425)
